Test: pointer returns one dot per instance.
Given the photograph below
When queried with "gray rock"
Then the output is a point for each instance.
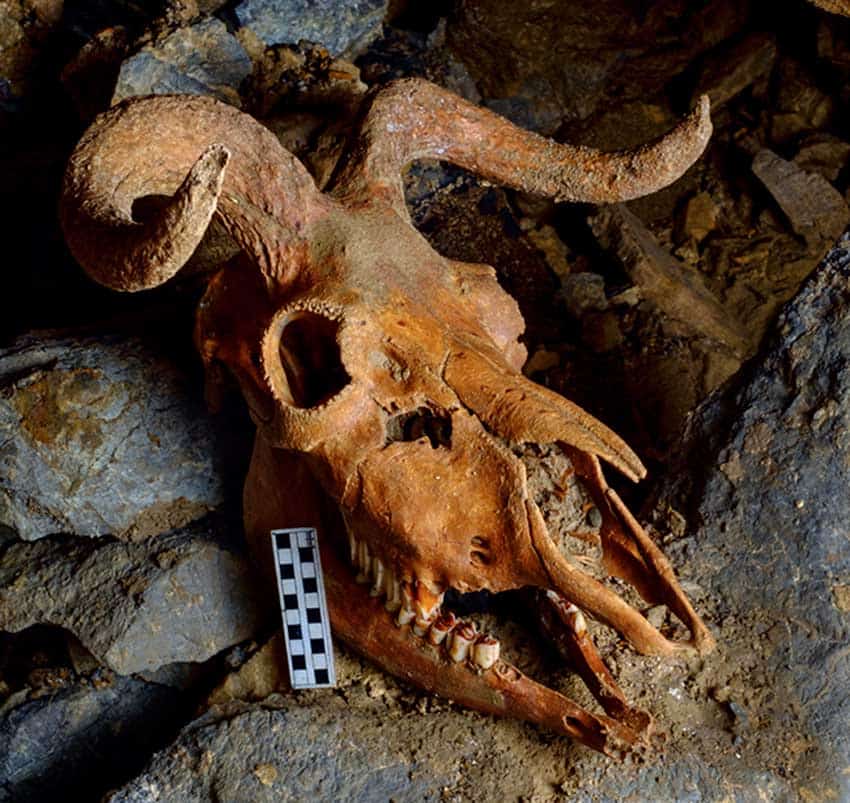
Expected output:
(814, 208)
(101, 436)
(82, 739)
(771, 508)
(136, 607)
(823, 154)
(202, 59)
(312, 752)
(584, 292)
(340, 27)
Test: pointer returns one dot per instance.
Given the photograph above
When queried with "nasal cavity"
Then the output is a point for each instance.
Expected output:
(311, 359)
(423, 422)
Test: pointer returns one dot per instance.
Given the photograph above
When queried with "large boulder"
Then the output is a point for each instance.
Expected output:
(136, 607)
(77, 741)
(102, 436)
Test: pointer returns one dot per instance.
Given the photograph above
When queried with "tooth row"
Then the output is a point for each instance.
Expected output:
(418, 606)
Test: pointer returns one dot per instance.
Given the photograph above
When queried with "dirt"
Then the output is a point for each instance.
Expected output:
(712, 707)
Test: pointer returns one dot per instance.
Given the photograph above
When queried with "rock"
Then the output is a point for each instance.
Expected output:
(264, 673)
(823, 154)
(342, 28)
(543, 65)
(89, 77)
(101, 436)
(202, 59)
(25, 25)
(800, 105)
(771, 543)
(308, 752)
(135, 607)
(698, 218)
(664, 282)
(82, 739)
(730, 69)
(814, 208)
(584, 292)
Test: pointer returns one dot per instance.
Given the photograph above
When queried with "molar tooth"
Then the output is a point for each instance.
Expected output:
(377, 578)
(441, 628)
(363, 562)
(486, 651)
(460, 640)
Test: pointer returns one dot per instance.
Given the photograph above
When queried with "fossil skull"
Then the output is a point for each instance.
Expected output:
(386, 378)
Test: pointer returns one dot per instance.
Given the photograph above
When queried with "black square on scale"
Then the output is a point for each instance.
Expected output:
(314, 616)
(294, 631)
(322, 676)
(317, 645)
(287, 571)
(290, 601)
(306, 554)
(299, 662)
(309, 584)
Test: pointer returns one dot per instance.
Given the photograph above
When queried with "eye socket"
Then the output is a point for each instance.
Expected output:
(311, 360)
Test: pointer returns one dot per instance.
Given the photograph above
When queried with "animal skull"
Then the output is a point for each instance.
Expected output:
(386, 378)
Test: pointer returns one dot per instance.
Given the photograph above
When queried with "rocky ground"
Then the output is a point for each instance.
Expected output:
(708, 324)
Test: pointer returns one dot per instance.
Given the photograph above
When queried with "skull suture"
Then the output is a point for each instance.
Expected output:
(386, 378)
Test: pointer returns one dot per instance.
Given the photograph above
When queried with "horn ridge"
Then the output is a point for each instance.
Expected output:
(197, 156)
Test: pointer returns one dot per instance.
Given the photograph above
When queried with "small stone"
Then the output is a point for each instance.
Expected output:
(656, 616)
(266, 773)
(697, 219)
(730, 69)
(261, 675)
(202, 59)
(823, 154)
(813, 207)
(546, 239)
(342, 28)
(800, 105)
(841, 593)
(584, 292)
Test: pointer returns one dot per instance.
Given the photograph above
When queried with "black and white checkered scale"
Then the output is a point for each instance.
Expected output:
(306, 624)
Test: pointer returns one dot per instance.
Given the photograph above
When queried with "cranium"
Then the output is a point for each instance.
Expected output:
(384, 379)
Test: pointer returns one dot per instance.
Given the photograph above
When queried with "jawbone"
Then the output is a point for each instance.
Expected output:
(438, 652)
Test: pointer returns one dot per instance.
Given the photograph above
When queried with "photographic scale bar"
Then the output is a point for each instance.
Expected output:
(306, 625)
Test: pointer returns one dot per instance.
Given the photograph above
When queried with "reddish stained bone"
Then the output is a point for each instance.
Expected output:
(341, 323)
(562, 623)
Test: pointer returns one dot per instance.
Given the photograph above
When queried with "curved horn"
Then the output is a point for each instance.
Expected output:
(200, 157)
(414, 119)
